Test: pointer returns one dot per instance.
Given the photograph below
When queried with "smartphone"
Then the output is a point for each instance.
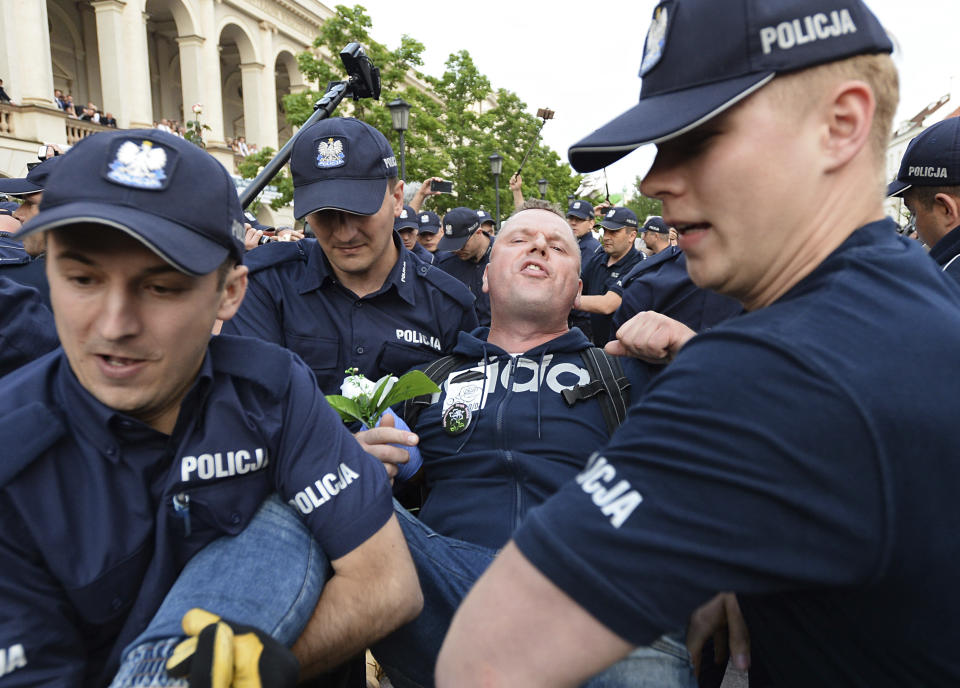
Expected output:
(441, 187)
(42, 152)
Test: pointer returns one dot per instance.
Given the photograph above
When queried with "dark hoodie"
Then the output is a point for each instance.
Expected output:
(522, 441)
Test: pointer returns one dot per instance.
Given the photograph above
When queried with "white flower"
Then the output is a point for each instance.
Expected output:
(386, 388)
(355, 386)
(198, 108)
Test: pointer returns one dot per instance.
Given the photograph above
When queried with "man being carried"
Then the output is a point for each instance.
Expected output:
(502, 437)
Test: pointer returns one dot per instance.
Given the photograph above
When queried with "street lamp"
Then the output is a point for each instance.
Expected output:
(496, 167)
(400, 114)
(542, 185)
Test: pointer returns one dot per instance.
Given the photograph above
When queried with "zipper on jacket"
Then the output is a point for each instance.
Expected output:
(181, 507)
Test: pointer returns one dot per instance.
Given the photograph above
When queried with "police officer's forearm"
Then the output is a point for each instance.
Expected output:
(606, 304)
(373, 591)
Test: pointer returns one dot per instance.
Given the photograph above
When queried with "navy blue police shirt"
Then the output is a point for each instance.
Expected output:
(661, 283)
(523, 442)
(599, 278)
(470, 273)
(17, 265)
(588, 246)
(294, 300)
(100, 512)
(27, 330)
(790, 455)
(422, 253)
(946, 251)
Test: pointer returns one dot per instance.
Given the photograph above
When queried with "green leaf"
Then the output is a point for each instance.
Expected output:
(347, 408)
(410, 385)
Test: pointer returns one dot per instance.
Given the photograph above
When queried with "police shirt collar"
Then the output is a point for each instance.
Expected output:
(947, 247)
(400, 276)
(106, 428)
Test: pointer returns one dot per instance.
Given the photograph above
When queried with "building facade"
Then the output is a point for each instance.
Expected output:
(144, 61)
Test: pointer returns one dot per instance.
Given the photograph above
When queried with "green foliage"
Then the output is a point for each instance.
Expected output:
(249, 168)
(644, 206)
(194, 132)
(451, 132)
(387, 391)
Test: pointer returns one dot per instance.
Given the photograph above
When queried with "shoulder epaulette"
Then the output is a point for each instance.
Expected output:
(21, 448)
(446, 283)
(273, 254)
(243, 357)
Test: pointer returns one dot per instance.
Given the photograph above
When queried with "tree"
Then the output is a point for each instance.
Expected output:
(450, 135)
(644, 205)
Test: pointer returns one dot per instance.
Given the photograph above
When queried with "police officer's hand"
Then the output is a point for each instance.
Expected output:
(252, 238)
(289, 235)
(221, 653)
(651, 337)
(721, 619)
(380, 440)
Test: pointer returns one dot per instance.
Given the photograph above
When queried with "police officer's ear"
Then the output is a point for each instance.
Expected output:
(233, 291)
(946, 210)
(847, 114)
(397, 194)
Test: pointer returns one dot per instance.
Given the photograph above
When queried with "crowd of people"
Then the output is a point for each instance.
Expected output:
(650, 441)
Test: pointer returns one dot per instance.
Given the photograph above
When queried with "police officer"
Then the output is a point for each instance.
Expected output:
(355, 297)
(26, 326)
(143, 440)
(24, 261)
(771, 457)
(581, 221)
(929, 184)
(487, 223)
(656, 234)
(407, 226)
(468, 245)
(603, 270)
(429, 227)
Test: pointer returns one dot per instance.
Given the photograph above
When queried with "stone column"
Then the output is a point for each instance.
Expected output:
(136, 60)
(25, 53)
(191, 77)
(112, 50)
(251, 74)
(211, 97)
(90, 58)
(269, 133)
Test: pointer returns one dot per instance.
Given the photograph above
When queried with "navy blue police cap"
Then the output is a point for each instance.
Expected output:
(619, 217)
(429, 222)
(35, 180)
(932, 159)
(340, 163)
(656, 224)
(485, 217)
(8, 207)
(582, 210)
(458, 225)
(164, 191)
(407, 219)
(701, 57)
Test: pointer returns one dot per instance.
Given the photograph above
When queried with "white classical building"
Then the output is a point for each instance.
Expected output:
(148, 60)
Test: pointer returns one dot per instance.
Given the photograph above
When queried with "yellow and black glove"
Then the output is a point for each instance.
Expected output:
(221, 654)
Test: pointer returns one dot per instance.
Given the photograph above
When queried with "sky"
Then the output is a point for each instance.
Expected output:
(581, 59)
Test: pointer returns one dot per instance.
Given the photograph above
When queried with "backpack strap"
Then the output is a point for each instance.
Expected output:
(607, 383)
(437, 371)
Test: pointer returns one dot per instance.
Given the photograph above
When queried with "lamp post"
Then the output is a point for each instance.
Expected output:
(400, 114)
(542, 185)
(496, 167)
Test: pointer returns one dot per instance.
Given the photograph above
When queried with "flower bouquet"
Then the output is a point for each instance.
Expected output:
(367, 401)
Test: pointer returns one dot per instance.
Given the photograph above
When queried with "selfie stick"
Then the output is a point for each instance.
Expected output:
(363, 82)
(544, 114)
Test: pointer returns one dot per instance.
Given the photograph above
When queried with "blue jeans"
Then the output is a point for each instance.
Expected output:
(269, 576)
(448, 569)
